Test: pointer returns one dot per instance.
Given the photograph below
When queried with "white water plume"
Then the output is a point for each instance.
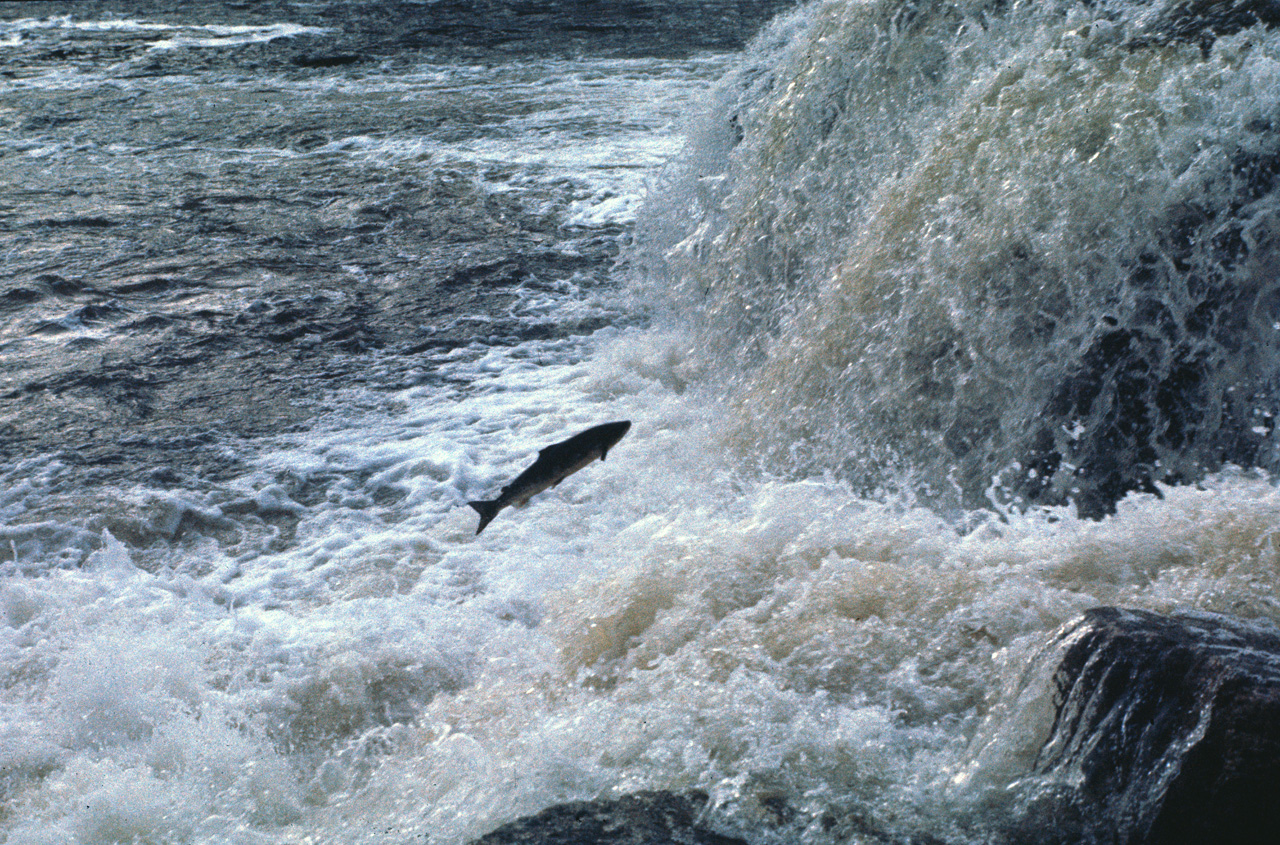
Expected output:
(960, 241)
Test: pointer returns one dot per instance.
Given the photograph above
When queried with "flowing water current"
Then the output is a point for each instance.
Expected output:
(936, 325)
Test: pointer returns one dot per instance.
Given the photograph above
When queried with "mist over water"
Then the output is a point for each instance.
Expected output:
(939, 326)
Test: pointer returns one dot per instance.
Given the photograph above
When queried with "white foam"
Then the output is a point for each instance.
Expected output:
(185, 34)
(674, 617)
(231, 36)
(660, 620)
(913, 238)
(769, 638)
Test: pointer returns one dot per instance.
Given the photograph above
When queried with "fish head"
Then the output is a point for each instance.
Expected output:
(611, 433)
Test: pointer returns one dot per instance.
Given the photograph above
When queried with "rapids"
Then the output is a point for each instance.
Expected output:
(948, 323)
(992, 255)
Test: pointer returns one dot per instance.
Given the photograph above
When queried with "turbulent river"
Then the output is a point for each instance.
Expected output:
(937, 325)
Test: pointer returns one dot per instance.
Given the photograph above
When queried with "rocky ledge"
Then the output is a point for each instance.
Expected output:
(645, 818)
(1167, 729)
(1167, 732)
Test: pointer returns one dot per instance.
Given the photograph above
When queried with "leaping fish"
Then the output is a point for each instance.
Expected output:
(555, 463)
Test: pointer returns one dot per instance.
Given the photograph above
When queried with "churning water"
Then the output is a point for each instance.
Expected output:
(942, 324)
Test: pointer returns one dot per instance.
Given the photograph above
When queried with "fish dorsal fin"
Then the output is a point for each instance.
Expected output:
(547, 451)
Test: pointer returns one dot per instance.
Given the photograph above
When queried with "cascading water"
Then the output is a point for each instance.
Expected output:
(930, 288)
(992, 253)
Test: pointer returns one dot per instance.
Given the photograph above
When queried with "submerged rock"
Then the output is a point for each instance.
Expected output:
(1180, 376)
(645, 818)
(1167, 729)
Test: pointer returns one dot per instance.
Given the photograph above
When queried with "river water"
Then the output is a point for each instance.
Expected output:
(936, 326)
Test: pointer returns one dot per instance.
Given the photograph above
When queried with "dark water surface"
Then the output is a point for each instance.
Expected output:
(923, 314)
(201, 240)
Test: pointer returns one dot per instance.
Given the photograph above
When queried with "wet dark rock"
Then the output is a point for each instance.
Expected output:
(1167, 731)
(668, 818)
(644, 818)
(1176, 381)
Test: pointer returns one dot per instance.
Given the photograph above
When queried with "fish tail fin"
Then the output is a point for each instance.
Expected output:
(487, 510)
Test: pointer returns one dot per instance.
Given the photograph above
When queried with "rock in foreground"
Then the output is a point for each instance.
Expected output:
(1168, 728)
(645, 818)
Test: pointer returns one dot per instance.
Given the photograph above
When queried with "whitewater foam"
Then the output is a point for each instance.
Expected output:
(937, 243)
(658, 621)
(322, 649)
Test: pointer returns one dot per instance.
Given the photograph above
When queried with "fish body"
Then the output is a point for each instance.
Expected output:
(555, 463)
